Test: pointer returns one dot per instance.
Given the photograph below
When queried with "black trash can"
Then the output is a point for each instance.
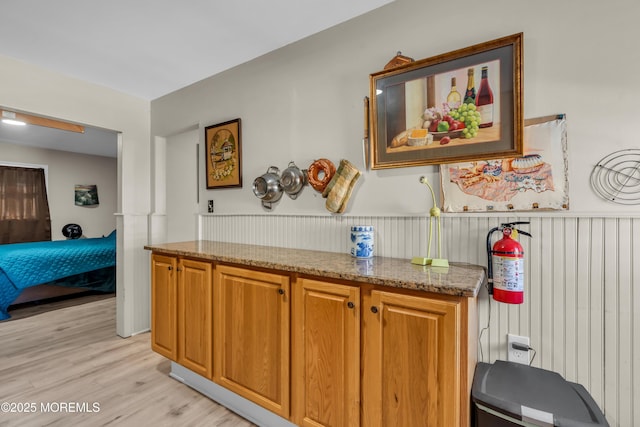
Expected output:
(506, 394)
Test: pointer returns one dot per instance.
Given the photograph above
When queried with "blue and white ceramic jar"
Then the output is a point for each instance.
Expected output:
(362, 241)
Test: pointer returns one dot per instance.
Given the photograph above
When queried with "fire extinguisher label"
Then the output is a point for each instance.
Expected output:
(508, 273)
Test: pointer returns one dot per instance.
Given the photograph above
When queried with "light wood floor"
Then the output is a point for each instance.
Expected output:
(28, 309)
(72, 355)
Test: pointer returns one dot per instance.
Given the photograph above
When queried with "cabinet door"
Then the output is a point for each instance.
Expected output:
(195, 316)
(326, 354)
(251, 338)
(163, 306)
(411, 361)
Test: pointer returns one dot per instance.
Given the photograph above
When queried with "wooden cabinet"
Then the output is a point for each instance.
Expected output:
(195, 323)
(164, 298)
(181, 323)
(315, 351)
(326, 354)
(252, 335)
(413, 367)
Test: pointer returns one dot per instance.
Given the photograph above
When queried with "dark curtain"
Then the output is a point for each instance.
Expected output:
(24, 208)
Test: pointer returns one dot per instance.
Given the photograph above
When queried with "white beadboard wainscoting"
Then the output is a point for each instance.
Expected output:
(581, 309)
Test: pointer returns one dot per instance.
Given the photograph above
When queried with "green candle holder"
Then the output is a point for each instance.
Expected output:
(434, 212)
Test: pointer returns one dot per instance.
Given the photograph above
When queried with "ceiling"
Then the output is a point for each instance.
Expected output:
(150, 48)
(94, 141)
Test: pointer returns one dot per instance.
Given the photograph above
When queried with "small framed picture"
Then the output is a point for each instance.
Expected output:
(86, 195)
(223, 155)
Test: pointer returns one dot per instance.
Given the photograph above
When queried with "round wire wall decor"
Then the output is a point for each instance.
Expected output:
(616, 178)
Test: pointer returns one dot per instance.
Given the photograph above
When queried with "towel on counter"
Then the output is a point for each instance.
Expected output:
(339, 189)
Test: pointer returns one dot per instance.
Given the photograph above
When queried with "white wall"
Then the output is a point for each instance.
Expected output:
(305, 101)
(65, 170)
(32, 89)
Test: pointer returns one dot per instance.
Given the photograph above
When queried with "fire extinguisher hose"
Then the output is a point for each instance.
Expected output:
(490, 260)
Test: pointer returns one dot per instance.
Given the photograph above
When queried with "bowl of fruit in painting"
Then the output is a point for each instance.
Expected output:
(461, 122)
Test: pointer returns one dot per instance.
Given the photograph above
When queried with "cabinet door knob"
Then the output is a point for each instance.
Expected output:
(281, 291)
(170, 268)
(350, 304)
(374, 309)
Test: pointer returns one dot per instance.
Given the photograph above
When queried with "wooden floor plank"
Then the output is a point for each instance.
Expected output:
(72, 355)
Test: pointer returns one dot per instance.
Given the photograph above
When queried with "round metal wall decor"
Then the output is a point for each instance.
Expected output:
(616, 178)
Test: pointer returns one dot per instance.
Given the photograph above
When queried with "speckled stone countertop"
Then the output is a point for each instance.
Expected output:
(459, 279)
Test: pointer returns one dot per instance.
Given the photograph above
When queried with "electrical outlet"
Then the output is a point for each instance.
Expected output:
(514, 355)
(210, 206)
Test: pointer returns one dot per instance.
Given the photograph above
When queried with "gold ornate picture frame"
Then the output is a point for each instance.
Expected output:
(406, 100)
(223, 155)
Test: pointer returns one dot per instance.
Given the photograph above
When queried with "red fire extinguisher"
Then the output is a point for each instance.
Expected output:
(506, 264)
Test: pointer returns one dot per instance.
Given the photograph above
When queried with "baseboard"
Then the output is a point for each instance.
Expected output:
(234, 402)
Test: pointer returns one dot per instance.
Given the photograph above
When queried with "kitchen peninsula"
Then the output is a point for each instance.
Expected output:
(298, 337)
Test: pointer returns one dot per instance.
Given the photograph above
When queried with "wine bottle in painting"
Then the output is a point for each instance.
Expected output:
(454, 98)
(470, 94)
(484, 100)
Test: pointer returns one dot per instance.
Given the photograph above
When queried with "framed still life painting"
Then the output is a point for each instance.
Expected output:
(223, 155)
(461, 105)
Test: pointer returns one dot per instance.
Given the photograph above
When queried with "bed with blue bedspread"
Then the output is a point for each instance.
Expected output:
(64, 262)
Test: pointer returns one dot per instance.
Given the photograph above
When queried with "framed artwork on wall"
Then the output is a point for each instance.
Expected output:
(536, 181)
(457, 106)
(86, 195)
(223, 155)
